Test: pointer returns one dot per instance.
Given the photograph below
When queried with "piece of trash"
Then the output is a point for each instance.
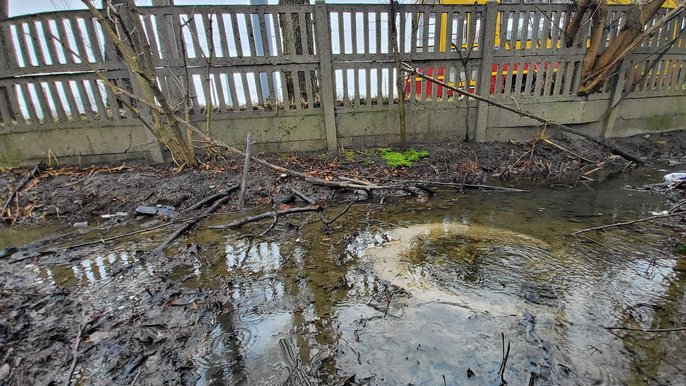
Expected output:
(675, 177)
(658, 213)
(166, 211)
(113, 215)
(82, 224)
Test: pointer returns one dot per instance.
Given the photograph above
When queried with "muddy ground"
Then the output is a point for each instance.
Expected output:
(77, 194)
(147, 332)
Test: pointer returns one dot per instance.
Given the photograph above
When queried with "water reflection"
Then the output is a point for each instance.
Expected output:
(93, 269)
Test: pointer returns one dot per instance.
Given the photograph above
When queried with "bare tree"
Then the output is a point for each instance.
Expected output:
(123, 27)
(597, 65)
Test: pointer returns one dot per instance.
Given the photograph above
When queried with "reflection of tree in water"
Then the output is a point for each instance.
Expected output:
(652, 352)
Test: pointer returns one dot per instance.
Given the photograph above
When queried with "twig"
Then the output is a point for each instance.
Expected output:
(614, 149)
(327, 221)
(190, 224)
(553, 144)
(102, 241)
(75, 351)
(303, 197)
(503, 364)
(617, 224)
(212, 198)
(676, 206)
(462, 186)
(20, 186)
(271, 214)
(246, 170)
(644, 329)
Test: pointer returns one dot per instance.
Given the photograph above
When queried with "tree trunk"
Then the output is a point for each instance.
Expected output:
(134, 48)
(596, 69)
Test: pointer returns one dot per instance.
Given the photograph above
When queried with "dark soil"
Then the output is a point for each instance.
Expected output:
(78, 194)
(123, 328)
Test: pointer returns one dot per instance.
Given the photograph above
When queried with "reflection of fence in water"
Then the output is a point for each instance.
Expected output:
(92, 270)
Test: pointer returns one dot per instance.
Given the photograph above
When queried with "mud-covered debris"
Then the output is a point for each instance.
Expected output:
(164, 211)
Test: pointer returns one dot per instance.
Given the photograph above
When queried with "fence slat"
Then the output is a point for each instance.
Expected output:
(13, 92)
(263, 33)
(151, 33)
(81, 41)
(93, 41)
(236, 35)
(5, 115)
(251, 34)
(223, 36)
(33, 114)
(36, 44)
(71, 100)
(99, 103)
(219, 87)
(57, 101)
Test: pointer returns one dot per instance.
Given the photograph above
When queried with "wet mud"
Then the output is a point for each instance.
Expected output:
(399, 290)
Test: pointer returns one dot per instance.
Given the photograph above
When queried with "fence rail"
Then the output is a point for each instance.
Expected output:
(256, 60)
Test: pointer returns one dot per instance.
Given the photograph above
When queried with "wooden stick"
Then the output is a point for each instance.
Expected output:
(270, 214)
(190, 224)
(327, 221)
(644, 329)
(617, 224)
(212, 198)
(457, 185)
(613, 149)
(75, 351)
(303, 197)
(246, 170)
(553, 144)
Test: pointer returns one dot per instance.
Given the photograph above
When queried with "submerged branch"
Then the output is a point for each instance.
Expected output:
(618, 224)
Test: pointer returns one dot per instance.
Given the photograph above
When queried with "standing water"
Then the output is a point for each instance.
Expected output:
(478, 288)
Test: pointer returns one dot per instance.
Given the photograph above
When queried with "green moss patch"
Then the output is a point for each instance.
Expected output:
(396, 159)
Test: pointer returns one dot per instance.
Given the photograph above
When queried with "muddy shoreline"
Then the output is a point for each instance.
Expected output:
(150, 322)
(72, 194)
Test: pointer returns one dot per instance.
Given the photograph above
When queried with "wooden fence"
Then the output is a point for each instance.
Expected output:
(251, 61)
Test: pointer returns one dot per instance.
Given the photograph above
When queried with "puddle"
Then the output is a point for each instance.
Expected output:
(423, 292)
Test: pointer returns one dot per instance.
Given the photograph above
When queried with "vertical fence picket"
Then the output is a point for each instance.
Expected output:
(71, 100)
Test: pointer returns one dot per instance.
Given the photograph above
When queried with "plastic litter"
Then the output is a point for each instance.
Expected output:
(675, 177)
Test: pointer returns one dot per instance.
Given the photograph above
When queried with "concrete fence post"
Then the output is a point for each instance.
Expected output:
(6, 57)
(487, 46)
(615, 98)
(327, 91)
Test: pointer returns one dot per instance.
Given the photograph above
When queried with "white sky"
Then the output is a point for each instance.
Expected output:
(23, 7)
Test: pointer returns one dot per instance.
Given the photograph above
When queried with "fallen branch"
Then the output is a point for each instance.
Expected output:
(190, 224)
(617, 224)
(614, 149)
(15, 191)
(644, 329)
(266, 215)
(553, 144)
(303, 197)
(210, 199)
(457, 185)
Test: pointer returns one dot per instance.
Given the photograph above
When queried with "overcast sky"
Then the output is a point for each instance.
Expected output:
(23, 7)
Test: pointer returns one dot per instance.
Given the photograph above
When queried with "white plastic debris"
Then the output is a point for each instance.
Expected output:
(675, 177)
